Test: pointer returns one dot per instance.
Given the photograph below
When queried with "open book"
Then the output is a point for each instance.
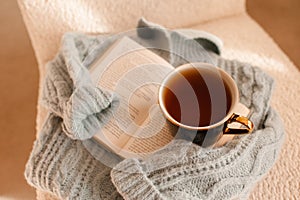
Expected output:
(134, 73)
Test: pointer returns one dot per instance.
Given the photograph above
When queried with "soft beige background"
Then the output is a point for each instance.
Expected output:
(19, 82)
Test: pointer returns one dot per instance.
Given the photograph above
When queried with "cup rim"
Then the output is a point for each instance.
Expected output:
(229, 80)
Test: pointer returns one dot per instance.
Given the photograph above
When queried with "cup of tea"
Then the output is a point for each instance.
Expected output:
(200, 98)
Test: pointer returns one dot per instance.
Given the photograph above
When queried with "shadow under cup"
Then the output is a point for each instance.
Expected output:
(200, 99)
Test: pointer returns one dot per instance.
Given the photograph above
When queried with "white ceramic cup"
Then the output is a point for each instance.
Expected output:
(212, 132)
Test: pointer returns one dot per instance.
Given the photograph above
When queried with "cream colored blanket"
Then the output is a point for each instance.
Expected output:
(243, 40)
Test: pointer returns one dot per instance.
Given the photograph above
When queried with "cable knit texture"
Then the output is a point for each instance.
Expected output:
(61, 165)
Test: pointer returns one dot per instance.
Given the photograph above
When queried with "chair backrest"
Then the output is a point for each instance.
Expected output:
(48, 20)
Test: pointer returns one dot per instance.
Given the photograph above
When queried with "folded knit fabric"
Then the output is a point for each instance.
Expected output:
(63, 166)
(69, 92)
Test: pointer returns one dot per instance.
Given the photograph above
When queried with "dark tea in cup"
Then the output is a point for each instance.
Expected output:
(197, 97)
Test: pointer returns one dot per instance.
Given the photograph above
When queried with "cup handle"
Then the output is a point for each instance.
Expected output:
(239, 119)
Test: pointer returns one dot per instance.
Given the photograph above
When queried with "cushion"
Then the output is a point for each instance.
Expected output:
(251, 44)
(243, 39)
(46, 21)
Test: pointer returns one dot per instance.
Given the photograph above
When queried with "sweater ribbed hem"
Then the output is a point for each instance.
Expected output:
(132, 183)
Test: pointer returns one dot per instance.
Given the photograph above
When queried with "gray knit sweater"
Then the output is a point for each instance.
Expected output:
(60, 163)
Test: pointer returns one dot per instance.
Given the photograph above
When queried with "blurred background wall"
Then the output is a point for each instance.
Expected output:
(281, 19)
(19, 82)
(18, 98)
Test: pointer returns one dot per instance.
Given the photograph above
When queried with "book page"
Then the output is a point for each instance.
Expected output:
(134, 74)
(154, 133)
(142, 146)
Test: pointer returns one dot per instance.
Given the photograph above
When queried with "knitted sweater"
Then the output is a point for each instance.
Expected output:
(59, 162)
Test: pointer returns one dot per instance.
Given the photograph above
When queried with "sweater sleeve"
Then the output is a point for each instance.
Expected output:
(221, 173)
(69, 93)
